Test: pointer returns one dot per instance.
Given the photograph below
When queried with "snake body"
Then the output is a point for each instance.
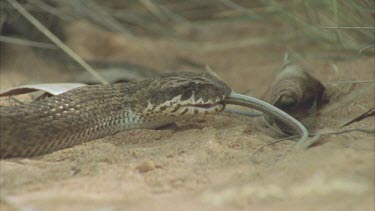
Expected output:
(91, 112)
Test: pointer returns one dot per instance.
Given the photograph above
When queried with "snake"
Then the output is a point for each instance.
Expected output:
(95, 111)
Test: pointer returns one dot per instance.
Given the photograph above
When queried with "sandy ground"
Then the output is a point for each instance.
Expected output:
(218, 162)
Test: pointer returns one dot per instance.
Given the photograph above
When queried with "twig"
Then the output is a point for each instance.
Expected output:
(18, 41)
(368, 113)
(354, 82)
(348, 27)
(344, 101)
(367, 131)
(272, 143)
(55, 40)
(212, 72)
(310, 141)
(318, 135)
(366, 48)
(314, 139)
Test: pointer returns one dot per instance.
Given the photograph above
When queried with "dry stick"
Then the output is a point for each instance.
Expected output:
(56, 40)
(370, 112)
(243, 100)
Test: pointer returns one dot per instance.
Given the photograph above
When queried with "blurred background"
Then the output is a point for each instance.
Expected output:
(164, 35)
(329, 24)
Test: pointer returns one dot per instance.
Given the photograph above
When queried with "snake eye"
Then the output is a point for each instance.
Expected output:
(186, 94)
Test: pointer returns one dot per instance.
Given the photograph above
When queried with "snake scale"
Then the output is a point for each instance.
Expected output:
(92, 112)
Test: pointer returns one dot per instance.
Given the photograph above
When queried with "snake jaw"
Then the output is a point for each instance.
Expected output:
(201, 107)
(190, 106)
(193, 106)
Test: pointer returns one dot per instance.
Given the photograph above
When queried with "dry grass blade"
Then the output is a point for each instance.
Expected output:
(52, 10)
(366, 48)
(353, 82)
(348, 27)
(174, 16)
(222, 46)
(344, 101)
(18, 41)
(238, 7)
(310, 142)
(155, 10)
(270, 144)
(102, 17)
(318, 135)
(352, 21)
(212, 72)
(55, 39)
(368, 113)
(362, 130)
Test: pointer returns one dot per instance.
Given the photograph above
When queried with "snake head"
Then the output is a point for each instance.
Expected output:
(183, 94)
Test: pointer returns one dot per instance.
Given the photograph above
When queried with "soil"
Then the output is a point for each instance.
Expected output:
(216, 162)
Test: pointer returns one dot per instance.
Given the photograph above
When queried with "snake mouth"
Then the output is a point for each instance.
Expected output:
(206, 106)
(202, 108)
